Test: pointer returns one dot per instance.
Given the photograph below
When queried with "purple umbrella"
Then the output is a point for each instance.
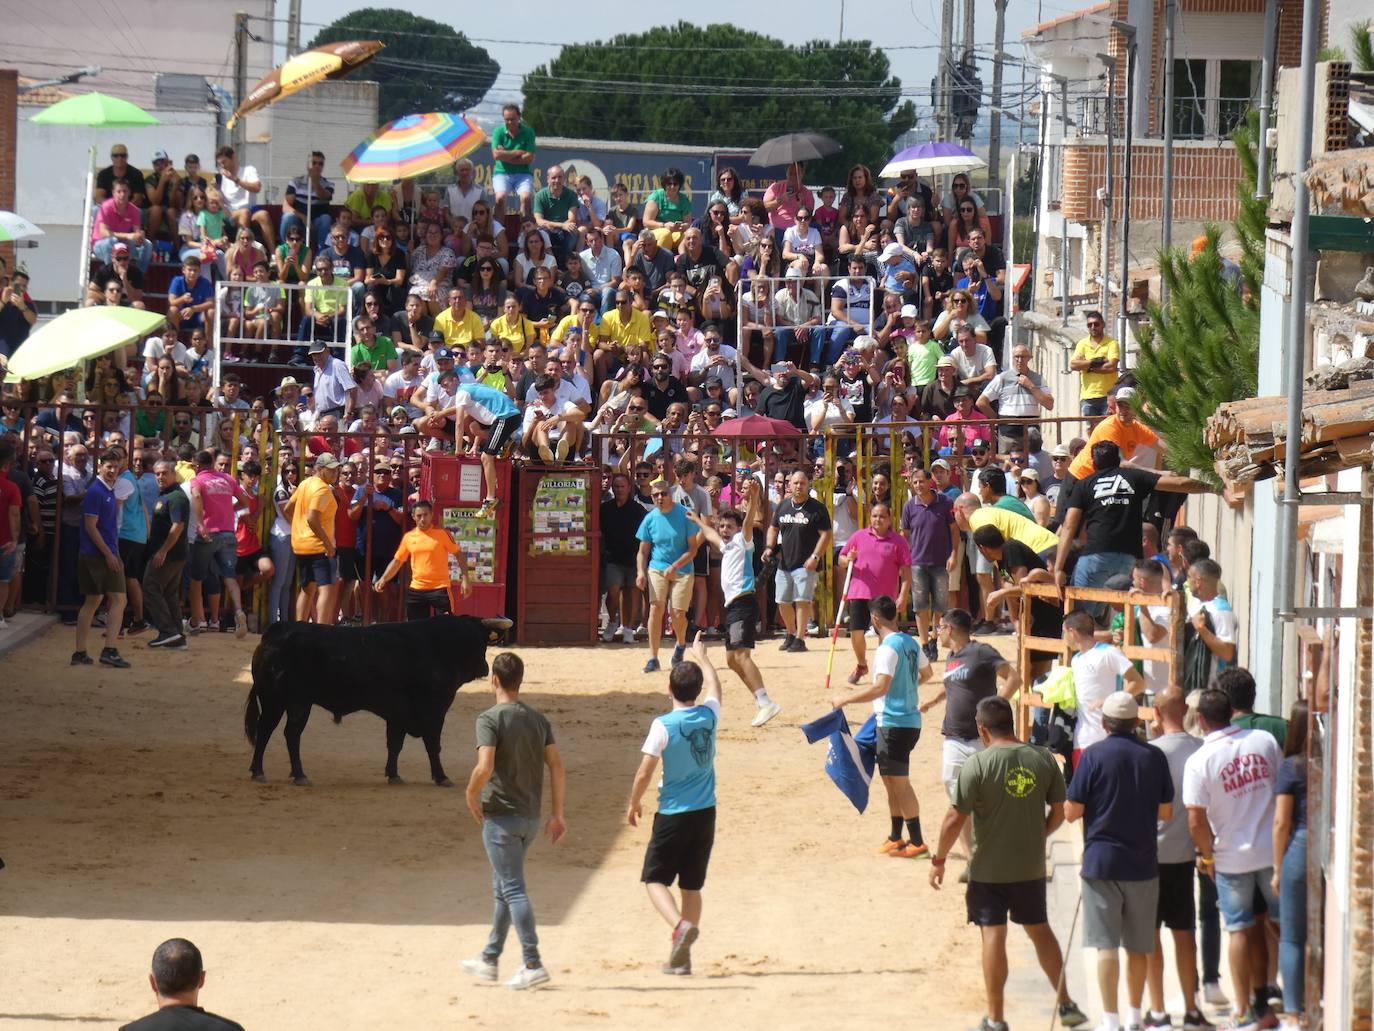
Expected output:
(932, 159)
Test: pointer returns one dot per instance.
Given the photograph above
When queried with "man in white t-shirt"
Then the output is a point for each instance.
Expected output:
(154, 348)
(1149, 577)
(1228, 787)
(400, 386)
(714, 361)
(1099, 670)
(239, 188)
(465, 192)
(1207, 606)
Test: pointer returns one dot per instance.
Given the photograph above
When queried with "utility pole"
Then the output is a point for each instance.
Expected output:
(995, 122)
(240, 73)
(841, 37)
(944, 117)
(1106, 303)
(1129, 31)
(1166, 238)
(967, 40)
(293, 27)
(1271, 30)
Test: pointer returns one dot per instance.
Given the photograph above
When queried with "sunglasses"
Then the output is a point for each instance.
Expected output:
(803, 218)
(638, 476)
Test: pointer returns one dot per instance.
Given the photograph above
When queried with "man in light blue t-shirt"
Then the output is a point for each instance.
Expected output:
(898, 666)
(668, 546)
(685, 824)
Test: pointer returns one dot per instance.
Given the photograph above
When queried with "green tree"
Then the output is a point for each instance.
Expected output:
(717, 85)
(426, 66)
(1203, 349)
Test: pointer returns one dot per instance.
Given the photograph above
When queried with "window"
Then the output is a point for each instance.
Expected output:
(1238, 89)
(1212, 95)
(1190, 99)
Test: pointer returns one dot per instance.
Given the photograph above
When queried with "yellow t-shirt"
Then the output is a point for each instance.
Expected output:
(313, 495)
(568, 322)
(517, 334)
(1014, 527)
(1096, 384)
(358, 203)
(459, 331)
(639, 330)
(1127, 438)
(428, 552)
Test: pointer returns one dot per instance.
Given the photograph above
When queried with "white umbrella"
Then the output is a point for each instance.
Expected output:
(16, 227)
(932, 159)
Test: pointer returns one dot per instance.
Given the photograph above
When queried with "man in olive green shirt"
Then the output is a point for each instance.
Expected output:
(377, 350)
(1015, 794)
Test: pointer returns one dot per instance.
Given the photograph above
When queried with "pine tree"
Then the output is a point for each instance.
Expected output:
(1203, 349)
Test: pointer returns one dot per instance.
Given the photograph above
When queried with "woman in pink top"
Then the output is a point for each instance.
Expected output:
(782, 199)
(881, 559)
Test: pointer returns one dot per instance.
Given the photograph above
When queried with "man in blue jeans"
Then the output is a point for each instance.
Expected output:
(504, 794)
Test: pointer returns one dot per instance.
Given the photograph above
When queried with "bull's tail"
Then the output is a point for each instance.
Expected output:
(253, 710)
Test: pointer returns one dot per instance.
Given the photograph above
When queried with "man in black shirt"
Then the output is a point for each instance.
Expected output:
(621, 515)
(16, 312)
(662, 388)
(177, 978)
(800, 533)
(1109, 506)
(784, 393)
(122, 270)
(166, 551)
(1016, 565)
(700, 263)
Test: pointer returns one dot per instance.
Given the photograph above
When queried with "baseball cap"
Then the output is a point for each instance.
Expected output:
(659, 313)
(436, 337)
(399, 408)
(1060, 451)
(945, 363)
(980, 445)
(892, 250)
(287, 381)
(325, 460)
(1030, 474)
(160, 155)
(120, 248)
(1120, 706)
(318, 346)
(909, 311)
(939, 463)
(713, 381)
(962, 391)
(793, 273)
(442, 353)
(1126, 394)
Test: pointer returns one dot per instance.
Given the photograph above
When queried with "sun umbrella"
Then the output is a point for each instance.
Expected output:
(411, 146)
(331, 61)
(932, 159)
(755, 426)
(16, 227)
(793, 147)
(95, 110)
(80, 335)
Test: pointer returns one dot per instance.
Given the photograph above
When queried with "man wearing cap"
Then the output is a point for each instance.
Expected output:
(288, 396)
(1060, 456)
(333, 386)
(899, 272)
(965, 428)
(1123, 427)
(163, 196)
(312, 510)
(1017, 393)
(799, 318)
(1033, 497)
(1121, 788)
(121, 270)
(1096, 359)
(323, 302)
(937, 396)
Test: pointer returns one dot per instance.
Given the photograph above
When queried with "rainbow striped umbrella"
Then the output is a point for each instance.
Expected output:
(411, 146)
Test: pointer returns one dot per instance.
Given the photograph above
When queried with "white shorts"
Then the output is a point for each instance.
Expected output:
(954, 753)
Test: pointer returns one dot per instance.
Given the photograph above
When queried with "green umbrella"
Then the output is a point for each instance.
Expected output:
(16, 227)
(95, 110)
(80, 335)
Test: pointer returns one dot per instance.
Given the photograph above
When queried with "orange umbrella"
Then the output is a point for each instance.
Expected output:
(331, 61)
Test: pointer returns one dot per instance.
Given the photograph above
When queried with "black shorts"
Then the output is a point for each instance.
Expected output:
(1176, 909)
(741, 616)
(247, 565)
(895, 745)
(350, 568)
(701, 562)
(423, 604)
(860, 619)
(315, 569)
(990, 904)
(131, 553)
(680, 849)
(502, 430)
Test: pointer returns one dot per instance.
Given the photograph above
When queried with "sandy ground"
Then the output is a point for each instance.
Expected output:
(128, 817)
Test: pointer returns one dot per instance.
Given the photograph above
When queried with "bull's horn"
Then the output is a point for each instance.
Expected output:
(498, 623)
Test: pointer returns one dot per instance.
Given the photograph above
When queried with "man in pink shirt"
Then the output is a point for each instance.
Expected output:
(214, 497)
(120, 219)
(784, 197)
(881, 559)
(954, 432)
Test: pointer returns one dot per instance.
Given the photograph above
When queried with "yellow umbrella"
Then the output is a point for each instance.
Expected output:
(77, 336)
(331, 61)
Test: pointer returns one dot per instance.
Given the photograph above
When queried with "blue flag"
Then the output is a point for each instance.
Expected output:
(848, 762)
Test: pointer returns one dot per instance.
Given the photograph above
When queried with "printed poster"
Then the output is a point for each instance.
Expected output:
(476, 535)
(560, 515)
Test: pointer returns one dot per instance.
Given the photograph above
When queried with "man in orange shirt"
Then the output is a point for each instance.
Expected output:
(311, 511)
(427, 547)
(1122, 428)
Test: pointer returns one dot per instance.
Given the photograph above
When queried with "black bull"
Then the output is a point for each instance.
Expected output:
(406, 673)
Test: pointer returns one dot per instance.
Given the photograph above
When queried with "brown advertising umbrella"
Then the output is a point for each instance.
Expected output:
(331, 61)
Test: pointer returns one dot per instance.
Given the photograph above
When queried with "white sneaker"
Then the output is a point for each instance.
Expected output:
(627, 635)
(479, 968)
(608, 635)
(528, 977)
(765, 714)
(1212, 994)
(641, 631)
(4, 623)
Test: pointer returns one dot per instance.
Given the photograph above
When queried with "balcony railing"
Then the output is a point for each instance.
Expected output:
(1195, 118)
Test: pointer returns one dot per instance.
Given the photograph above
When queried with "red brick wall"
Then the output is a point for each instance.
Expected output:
(1204, 182)
(9, 124)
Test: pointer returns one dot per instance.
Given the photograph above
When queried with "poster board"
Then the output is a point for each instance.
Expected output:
(559, 514)
(476, 535)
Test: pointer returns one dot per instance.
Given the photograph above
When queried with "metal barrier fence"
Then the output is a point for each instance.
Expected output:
(232, 301)
(769, 324)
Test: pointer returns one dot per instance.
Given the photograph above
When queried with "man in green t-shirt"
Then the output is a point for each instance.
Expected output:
(512, 152)
(555, 212)
(368, 346)
(1015, 794)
